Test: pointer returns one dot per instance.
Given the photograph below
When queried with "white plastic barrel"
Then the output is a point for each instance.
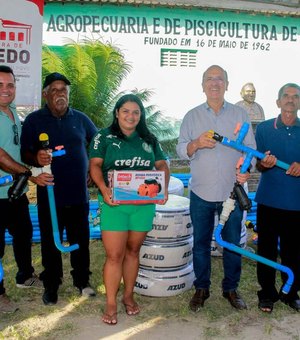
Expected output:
(164, 283)
(172, 221)
(189, 186)
(166, 255)
(176, 186)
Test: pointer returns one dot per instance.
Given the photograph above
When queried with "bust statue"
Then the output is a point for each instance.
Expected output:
(255, 111)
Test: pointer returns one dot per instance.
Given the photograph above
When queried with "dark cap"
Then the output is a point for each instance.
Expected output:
(53, 77)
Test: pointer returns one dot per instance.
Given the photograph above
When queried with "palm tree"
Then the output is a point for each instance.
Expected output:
(96, 71)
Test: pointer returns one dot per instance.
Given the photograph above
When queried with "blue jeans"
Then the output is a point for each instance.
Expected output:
(202, 216)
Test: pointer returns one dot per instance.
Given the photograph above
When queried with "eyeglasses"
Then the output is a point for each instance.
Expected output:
(16, 134)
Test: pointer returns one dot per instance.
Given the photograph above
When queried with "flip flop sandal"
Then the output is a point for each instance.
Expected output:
(131, 309)
(110, 319)
(266, 305)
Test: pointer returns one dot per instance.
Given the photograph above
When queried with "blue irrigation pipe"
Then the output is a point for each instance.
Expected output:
(250, 153)
(4, 180)
(53, 215)
(288, 284)
(1, 271)
(55, 229)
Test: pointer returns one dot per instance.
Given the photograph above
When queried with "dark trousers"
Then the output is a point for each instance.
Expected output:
(278, 234)
(16, 219)
(74, 219)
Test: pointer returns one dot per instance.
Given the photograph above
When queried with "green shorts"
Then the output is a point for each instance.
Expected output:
(126, 217)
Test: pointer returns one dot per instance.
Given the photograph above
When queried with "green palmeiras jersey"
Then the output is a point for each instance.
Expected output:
(131, 153)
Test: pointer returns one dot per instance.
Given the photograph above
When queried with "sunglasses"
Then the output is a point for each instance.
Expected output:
(16, 134)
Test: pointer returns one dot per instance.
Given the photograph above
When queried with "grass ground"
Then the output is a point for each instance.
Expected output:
(220, 318)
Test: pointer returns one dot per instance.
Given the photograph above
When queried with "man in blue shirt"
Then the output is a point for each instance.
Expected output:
(74, 130)
(278, 199)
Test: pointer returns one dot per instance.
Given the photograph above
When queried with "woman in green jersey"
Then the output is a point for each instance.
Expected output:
(127, 144)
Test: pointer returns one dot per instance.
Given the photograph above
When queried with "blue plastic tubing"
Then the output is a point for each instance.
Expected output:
(6, 179)
(53, 214)
(250, 153)
(287, 286)
(1, 271)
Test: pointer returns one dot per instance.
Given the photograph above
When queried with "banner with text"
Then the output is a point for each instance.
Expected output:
(170, 48)
(21, 45)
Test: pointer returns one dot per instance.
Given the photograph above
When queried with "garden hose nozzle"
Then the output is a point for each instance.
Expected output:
(17, 189)
(241, 196)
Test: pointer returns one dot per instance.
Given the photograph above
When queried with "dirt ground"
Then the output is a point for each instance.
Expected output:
(62, 321)
(160, 328)
(74, 318)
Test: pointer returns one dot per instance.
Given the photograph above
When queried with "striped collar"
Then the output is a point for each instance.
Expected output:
(279, 124)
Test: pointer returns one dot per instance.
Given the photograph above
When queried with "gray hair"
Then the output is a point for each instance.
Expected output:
(295, 86)
(221, 68)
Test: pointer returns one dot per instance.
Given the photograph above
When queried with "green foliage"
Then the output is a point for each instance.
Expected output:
(158, 124)
(51, 62)
(96, 70)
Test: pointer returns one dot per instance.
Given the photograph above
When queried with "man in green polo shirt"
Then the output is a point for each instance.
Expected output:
(14, 215)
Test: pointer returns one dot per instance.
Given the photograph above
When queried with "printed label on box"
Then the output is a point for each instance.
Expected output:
(137, 187)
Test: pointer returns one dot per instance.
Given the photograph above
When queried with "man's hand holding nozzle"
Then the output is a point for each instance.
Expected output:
(44, 157)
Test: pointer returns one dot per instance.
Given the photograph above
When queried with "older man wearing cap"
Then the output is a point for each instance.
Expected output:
(74, 130)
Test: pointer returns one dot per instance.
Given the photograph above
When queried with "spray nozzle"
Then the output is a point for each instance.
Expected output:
(17, 189)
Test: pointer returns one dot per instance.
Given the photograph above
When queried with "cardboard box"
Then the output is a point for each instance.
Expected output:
(137, 187)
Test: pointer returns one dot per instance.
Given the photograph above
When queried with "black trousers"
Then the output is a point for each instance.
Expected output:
(16, 219)
(73, 219)
(278, 234)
